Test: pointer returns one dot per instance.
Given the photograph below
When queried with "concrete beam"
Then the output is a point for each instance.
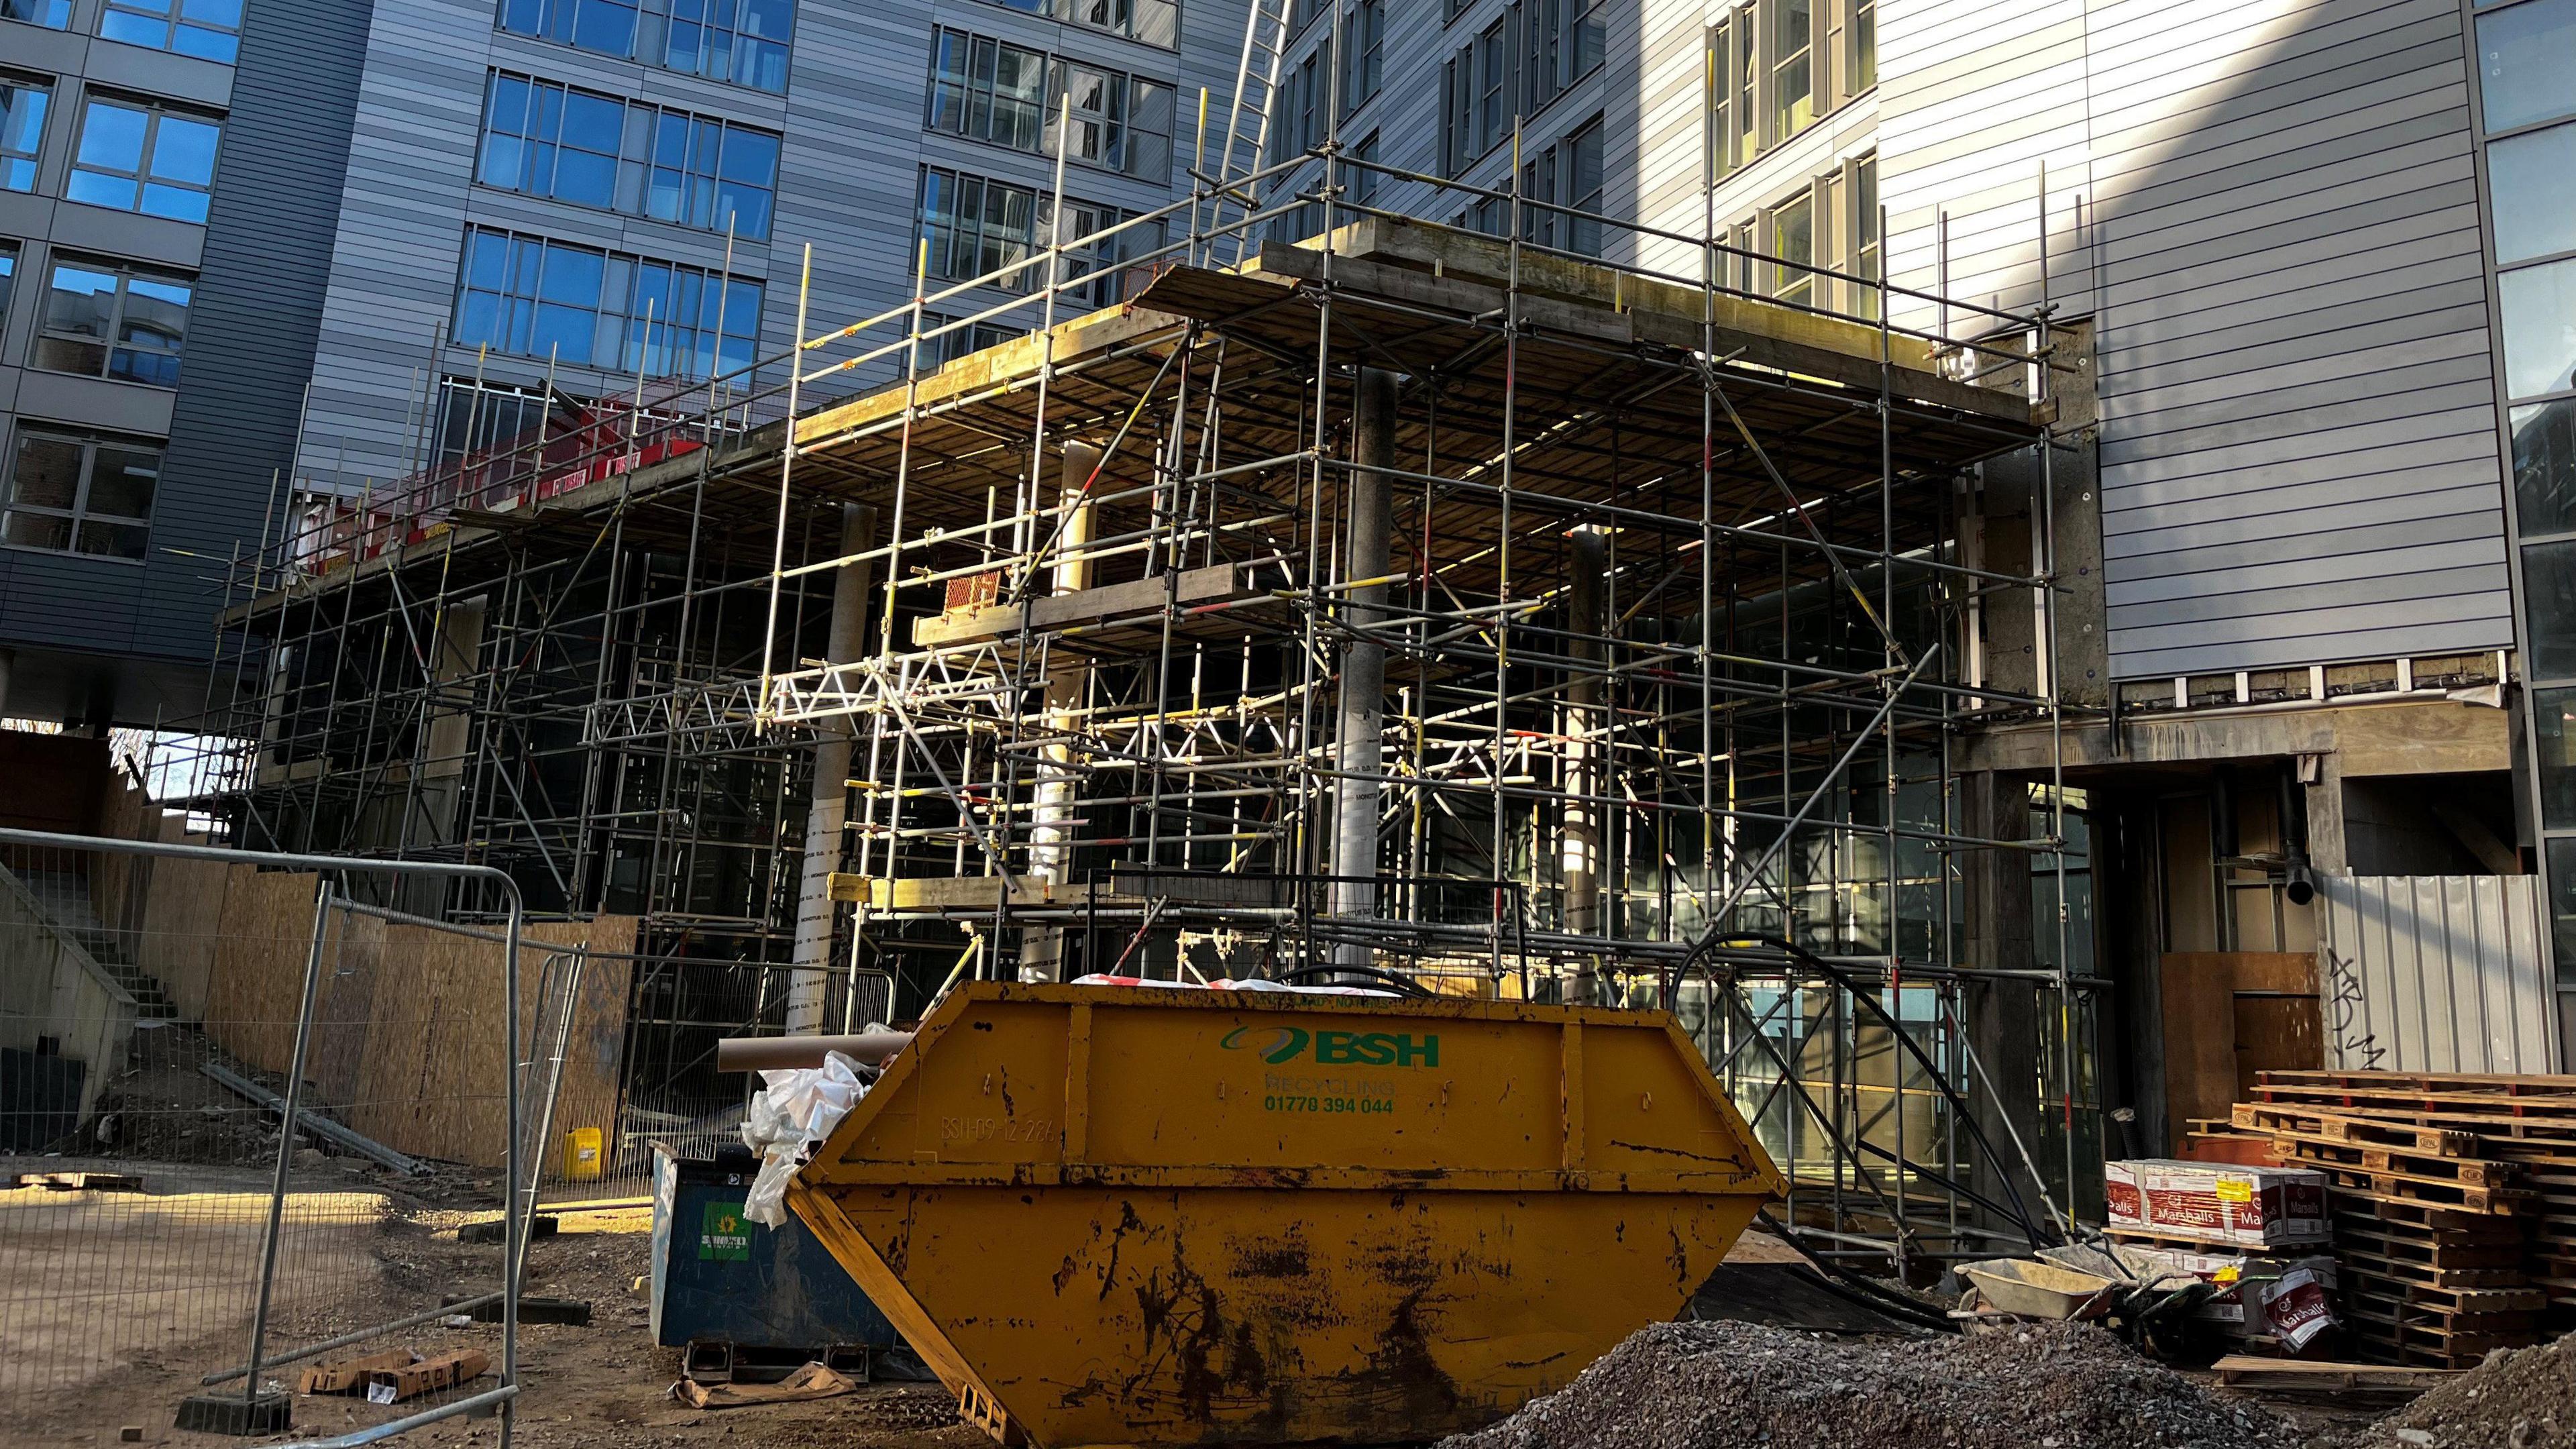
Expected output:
(2434, 735)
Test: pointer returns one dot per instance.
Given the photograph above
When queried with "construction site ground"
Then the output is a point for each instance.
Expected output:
(603, 1384)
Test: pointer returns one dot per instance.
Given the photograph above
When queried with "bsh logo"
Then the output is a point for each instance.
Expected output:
(1278, 1045)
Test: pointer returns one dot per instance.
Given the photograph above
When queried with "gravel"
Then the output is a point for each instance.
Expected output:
(1725, 1385)
(2519, 1398)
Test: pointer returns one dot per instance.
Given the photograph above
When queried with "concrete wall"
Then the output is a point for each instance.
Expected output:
(50, 988)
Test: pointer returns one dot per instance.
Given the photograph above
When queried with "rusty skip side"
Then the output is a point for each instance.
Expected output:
(1152, 1216)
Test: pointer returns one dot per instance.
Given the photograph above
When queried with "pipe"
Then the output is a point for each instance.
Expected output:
(778, 1053)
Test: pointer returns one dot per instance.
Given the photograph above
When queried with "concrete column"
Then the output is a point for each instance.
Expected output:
(1579, 841)
(1363, 693)
(2329, 851)
(827, 811)
(431, 806)
(2002, 1022)
(98, 713)
(458, 647)
(1050, 822)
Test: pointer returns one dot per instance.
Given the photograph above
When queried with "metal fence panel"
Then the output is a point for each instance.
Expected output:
(253, 1121)
(2436, 974)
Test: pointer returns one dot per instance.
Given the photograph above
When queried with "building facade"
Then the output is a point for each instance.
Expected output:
(256, 250)
(2309, 534)
(155, 324)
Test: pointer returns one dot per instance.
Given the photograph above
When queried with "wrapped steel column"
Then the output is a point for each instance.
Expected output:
(827, 812)
(1363, 694)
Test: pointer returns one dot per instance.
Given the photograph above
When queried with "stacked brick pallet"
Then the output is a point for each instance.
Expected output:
(2429, 1231)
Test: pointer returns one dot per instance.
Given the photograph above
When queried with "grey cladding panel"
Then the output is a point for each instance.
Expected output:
(2325, 198)
(2279, 245)
(258, 305)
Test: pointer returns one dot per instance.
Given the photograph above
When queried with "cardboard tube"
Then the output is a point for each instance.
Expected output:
(774, 1053)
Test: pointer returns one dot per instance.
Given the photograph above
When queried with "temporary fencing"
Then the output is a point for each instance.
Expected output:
(264, 1139)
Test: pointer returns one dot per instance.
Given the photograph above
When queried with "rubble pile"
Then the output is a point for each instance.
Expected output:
(1725, 1385)
(2519, 1398)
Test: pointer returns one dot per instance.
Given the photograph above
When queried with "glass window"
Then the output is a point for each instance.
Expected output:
(2535, 204)
(962, 338)
(586, 158)
(1155, 22)
(1867, 247)
(1120, 123)
(51, 14)
(746, 179)
(1457, 111)
(1793, 102)
(8, 275)
(22, 132)
(134, 158)
(606, 26)
(594, 150)
(1493, 85)
(760, 48)
(1363, 53)
(587, 308)
(1864, 43)
(1748, 121)
(2525, 55)
(1582, 188)
(989, 91)
(207, 29)
(1713, 67)
(106, 320)
(2562, 910)
(2539, 327)
(1793, 241)
(2544, 467)
(2553, 726)
(974, 227)
(2549, 608)
(948, 79)
(744, 42)
(81, 495)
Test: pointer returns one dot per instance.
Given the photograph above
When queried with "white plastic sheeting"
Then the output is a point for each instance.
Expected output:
(790, 1117)
(2435, 973)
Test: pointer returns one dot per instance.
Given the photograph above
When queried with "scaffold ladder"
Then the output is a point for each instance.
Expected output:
(1267, 29)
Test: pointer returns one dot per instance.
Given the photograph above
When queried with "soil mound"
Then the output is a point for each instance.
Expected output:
(1725, 1385)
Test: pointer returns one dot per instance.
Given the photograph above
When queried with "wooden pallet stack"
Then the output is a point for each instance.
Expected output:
(2428, 1233)
(2529, 1121)
(2478, 1183)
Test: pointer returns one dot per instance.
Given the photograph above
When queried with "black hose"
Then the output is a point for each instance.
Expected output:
(1404, 986)
(1856, 1287)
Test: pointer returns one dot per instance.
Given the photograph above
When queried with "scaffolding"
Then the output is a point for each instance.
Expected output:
(1552, 614)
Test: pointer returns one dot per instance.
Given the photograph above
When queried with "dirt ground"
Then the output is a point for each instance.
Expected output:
(136, 1296)
(131, 1298)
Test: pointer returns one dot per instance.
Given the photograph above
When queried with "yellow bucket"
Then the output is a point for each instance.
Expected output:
(582, 1153)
